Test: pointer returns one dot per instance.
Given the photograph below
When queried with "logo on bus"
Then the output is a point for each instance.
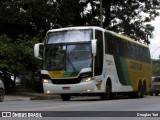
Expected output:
(134, 65)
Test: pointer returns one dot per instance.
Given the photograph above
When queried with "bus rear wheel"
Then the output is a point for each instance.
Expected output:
(65, 97)
(140, 92)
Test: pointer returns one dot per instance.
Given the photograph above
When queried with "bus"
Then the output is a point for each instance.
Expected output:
(90, 60)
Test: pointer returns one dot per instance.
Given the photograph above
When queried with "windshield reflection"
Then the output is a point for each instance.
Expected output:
(68, 57)
(55, 58)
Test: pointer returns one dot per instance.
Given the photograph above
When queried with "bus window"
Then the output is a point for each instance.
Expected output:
(99, 56)
(106, 43)
(111, 43)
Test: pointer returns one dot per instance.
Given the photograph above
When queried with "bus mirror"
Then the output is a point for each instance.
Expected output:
(37, 50)
(94, 46)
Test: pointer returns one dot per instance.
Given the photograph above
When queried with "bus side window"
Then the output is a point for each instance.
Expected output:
(106, 43)
(111, 44)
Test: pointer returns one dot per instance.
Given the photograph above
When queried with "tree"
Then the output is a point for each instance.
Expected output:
(26, 17)
(17, 55)
(156, 67)
(128, 17)
(21, 21)
(12, 19)
(68, 13)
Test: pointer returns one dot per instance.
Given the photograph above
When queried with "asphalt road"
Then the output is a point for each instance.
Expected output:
(86, 108)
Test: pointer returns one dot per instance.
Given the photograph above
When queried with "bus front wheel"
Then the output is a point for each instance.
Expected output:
(1, 95)
(107, 94)
(65, 97)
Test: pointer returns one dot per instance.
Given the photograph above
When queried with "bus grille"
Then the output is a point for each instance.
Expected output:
(66, 81)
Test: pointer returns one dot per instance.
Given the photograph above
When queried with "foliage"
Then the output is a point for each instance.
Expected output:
(128, 17)
(18, 55)
(25, 22)
(156, 67)
(25, 17)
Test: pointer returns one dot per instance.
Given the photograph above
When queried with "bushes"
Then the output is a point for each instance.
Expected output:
(17, 55)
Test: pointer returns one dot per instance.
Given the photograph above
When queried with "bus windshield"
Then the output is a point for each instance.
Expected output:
(69, 36)
(72, 57)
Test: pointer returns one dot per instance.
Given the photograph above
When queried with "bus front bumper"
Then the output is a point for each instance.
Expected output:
(81, 88)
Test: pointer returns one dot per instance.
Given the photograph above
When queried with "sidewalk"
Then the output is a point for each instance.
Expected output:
(15, 98)
(29, 96)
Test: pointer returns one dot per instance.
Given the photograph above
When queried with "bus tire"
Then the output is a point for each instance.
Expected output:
(145, 88)
(151, 93)
(156, 93)
(107, 94)
(1, 95)
(140, 92)
(65, 97)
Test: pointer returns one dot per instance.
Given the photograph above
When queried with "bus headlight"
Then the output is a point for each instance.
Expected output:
(47, 81)
(86, 79)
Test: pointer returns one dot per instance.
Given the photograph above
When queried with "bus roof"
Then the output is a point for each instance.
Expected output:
(76, 28)
(98, 28)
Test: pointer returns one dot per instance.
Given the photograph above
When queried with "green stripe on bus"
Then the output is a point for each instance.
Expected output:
(69, 74)
(122, 70)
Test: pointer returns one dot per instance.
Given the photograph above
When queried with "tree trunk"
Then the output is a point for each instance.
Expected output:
(106, 6)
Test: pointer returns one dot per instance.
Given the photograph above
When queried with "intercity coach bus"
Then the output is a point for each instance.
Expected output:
(93, 61)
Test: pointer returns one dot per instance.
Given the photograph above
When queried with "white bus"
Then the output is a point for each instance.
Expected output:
(93, 61)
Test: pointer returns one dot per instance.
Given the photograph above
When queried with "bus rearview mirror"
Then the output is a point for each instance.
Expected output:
(37, 50)
(94, 46)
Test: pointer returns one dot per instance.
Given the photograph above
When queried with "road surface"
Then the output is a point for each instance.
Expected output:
(86, 108)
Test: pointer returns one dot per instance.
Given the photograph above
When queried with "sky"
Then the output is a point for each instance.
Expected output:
(155, 42)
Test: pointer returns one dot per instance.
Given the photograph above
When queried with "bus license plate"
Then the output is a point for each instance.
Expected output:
(66, 88)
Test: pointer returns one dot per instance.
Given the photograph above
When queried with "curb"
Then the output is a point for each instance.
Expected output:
(15, 98)
(29, 96)
(39, 96)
